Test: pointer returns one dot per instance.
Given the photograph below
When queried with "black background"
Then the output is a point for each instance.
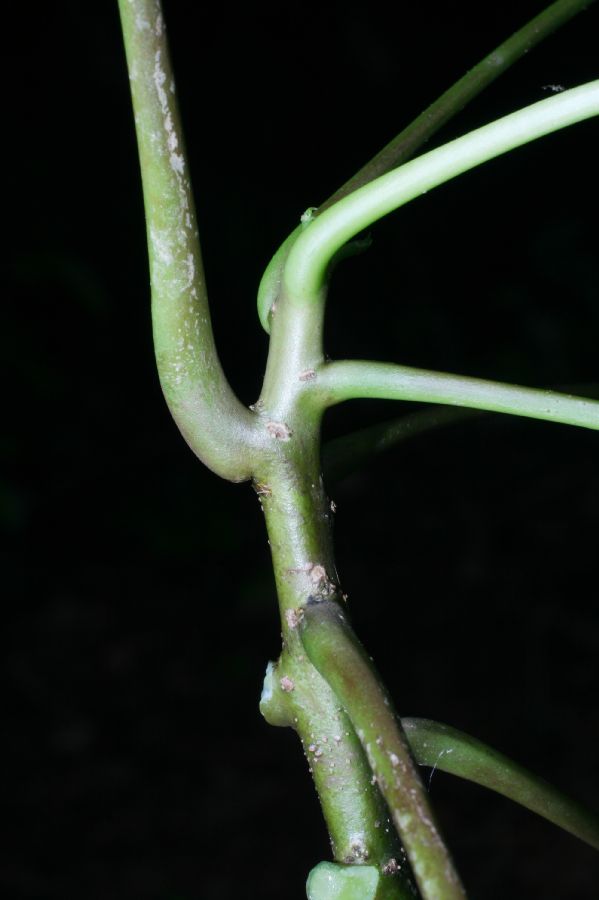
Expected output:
(139, 607)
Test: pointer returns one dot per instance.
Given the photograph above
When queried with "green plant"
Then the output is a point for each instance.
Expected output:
(362, 756)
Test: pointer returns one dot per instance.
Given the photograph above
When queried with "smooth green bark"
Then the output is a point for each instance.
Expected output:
(298, 518)
(217, 427)
(298, 521)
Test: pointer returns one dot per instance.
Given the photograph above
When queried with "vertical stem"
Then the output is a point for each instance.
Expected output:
(298, 521)
(215, 424)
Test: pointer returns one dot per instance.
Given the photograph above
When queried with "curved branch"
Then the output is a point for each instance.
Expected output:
(409, 141)
(343, 455)
(308, 262)
(445, 748)
(349, 380)
(218, 428)
(269, 288)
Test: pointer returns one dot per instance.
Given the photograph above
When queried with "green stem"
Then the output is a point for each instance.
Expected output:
(409, 141)
(218, 428)
(345, 454)
(269, 289)
(453, 751)
(348, 380)
(298, 521)
(307, 265)
(335, 651)
(298, 518)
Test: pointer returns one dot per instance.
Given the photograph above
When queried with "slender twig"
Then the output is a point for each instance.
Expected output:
(345, 454)
(215, 424)
(348, 380)
(449, 750)
(336, 653)
(307, 265)
(412, 138)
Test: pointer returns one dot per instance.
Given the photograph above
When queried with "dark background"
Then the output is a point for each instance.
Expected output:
(139, 607)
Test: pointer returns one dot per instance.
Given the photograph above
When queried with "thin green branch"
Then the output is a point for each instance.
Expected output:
(343, 455)
(307, 265)
(349, 380)
(412, 138)
(449, 750)
(336, 653)
(215, 424)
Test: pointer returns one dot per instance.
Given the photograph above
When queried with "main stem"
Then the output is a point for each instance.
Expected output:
(298, 519)
(297, 693)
